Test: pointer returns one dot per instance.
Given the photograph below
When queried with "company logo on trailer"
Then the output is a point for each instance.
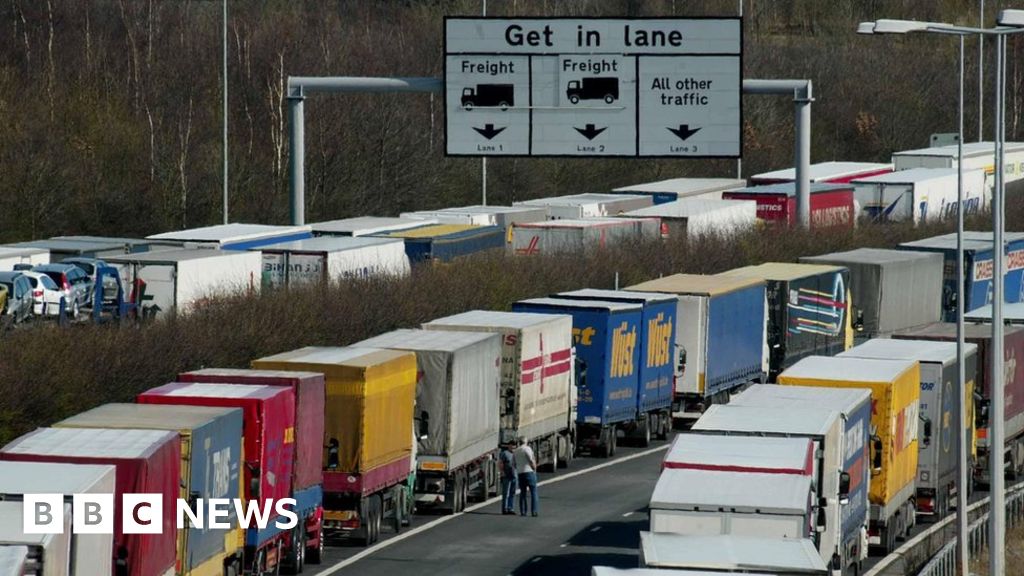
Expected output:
(659, 334)
(623, 346)
(983, 269)
(145, 514)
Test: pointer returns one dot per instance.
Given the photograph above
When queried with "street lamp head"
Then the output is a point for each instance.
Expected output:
(886, 26)
(1013, 18)
(866, 28)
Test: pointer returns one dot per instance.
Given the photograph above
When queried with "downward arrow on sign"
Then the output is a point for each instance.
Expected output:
(684, 131)
(489, 131)
(590, 131)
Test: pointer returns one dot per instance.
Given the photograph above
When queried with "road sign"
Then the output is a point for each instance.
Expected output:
(664, 87)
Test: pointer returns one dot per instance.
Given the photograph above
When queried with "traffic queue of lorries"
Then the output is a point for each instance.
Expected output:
(851, 447)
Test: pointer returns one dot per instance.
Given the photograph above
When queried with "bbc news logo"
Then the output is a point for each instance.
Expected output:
(144, 514)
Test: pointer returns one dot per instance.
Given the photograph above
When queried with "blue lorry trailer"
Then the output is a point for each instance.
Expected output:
(656, 375)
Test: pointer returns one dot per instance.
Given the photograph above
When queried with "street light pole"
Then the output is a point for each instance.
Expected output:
(483, 161)
(963, 554)
(225, 35)
(981, 72)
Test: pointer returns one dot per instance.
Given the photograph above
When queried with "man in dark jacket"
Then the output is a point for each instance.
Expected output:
(509, 483)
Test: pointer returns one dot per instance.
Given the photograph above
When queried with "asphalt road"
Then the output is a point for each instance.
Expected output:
(586, 519)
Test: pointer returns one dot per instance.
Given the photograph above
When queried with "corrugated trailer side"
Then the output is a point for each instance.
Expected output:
(147, 463)
(211, 453)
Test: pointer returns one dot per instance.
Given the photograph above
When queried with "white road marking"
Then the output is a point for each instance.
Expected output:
(595, 528)
(562, 545)
(627, 514)
(419, 529)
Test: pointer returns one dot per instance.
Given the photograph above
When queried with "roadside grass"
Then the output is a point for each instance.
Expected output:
(48, 373)
(1014, 554)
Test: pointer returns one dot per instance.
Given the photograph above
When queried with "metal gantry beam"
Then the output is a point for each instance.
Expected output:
(301, 86)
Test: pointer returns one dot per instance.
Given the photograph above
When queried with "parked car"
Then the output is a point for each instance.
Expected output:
(72, 280)
(19, 295)
(46, 295)
(89, 266)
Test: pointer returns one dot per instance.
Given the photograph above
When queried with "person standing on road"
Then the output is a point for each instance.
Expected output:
(526, 466)
(508, 478)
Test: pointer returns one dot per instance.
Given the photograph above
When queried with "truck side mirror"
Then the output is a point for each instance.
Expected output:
(876, 455)
(858, 323)
(424, 428)
(844, 488)
(927, 439)
(981, 411)
(836, 565)
(821, 523)
(581, 373)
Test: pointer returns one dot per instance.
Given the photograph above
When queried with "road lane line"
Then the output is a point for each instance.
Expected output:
(627, 514)
(419, 529)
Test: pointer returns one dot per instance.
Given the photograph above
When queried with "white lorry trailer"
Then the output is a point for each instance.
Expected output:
(537, 378)
(48, 554)
(707, 502)
(731, 553)
(920, 195)
(457, 398)
(328, 259)
(91, 553)
(588, 205)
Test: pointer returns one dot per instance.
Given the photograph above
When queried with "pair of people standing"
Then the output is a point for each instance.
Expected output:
(518, 470)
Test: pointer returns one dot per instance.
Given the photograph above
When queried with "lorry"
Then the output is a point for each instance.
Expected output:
(368, 225)
(833, 480)
(576, 206)
(772, 455)
(707, 502)
(977, 156)
(607, 372)
(1013, 417)
(854, 408)
(445, 242)
(665, 191)
(720, 335)
(328, 259)
(941, 405)
(92, 554)
(235, 236)
(895, 394)
(831, 204)
(882, 280)
(696, 217)
(501, 216)
(146, 462)
(920, 195)
(731, 553)
(368, 468)
(593, 88)
(657, 364)
(492, 95)
(537, 378)
(576, 236)
(47, 554)
(10, 257)
(211, 461)
(458, 387)
(825, 173)
(60, 248)
(978, 266)
(268, 428)
(178, 281)
(809, 310)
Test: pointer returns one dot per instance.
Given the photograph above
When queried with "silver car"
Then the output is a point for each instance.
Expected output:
(71, 280)
(19, 296)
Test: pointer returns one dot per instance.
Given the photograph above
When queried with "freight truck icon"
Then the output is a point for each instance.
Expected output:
(606, 89)
(500, 95)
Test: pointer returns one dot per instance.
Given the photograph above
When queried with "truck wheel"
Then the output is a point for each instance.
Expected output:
(664, 425)
(292, 556)
(574, 99)
(565, 448)
(504, 106)
(608, 98)
(467, 106)
(613, 441)
(645, 433)
(398, 503)
(465, 491)
(315, 554)
(457, 494)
